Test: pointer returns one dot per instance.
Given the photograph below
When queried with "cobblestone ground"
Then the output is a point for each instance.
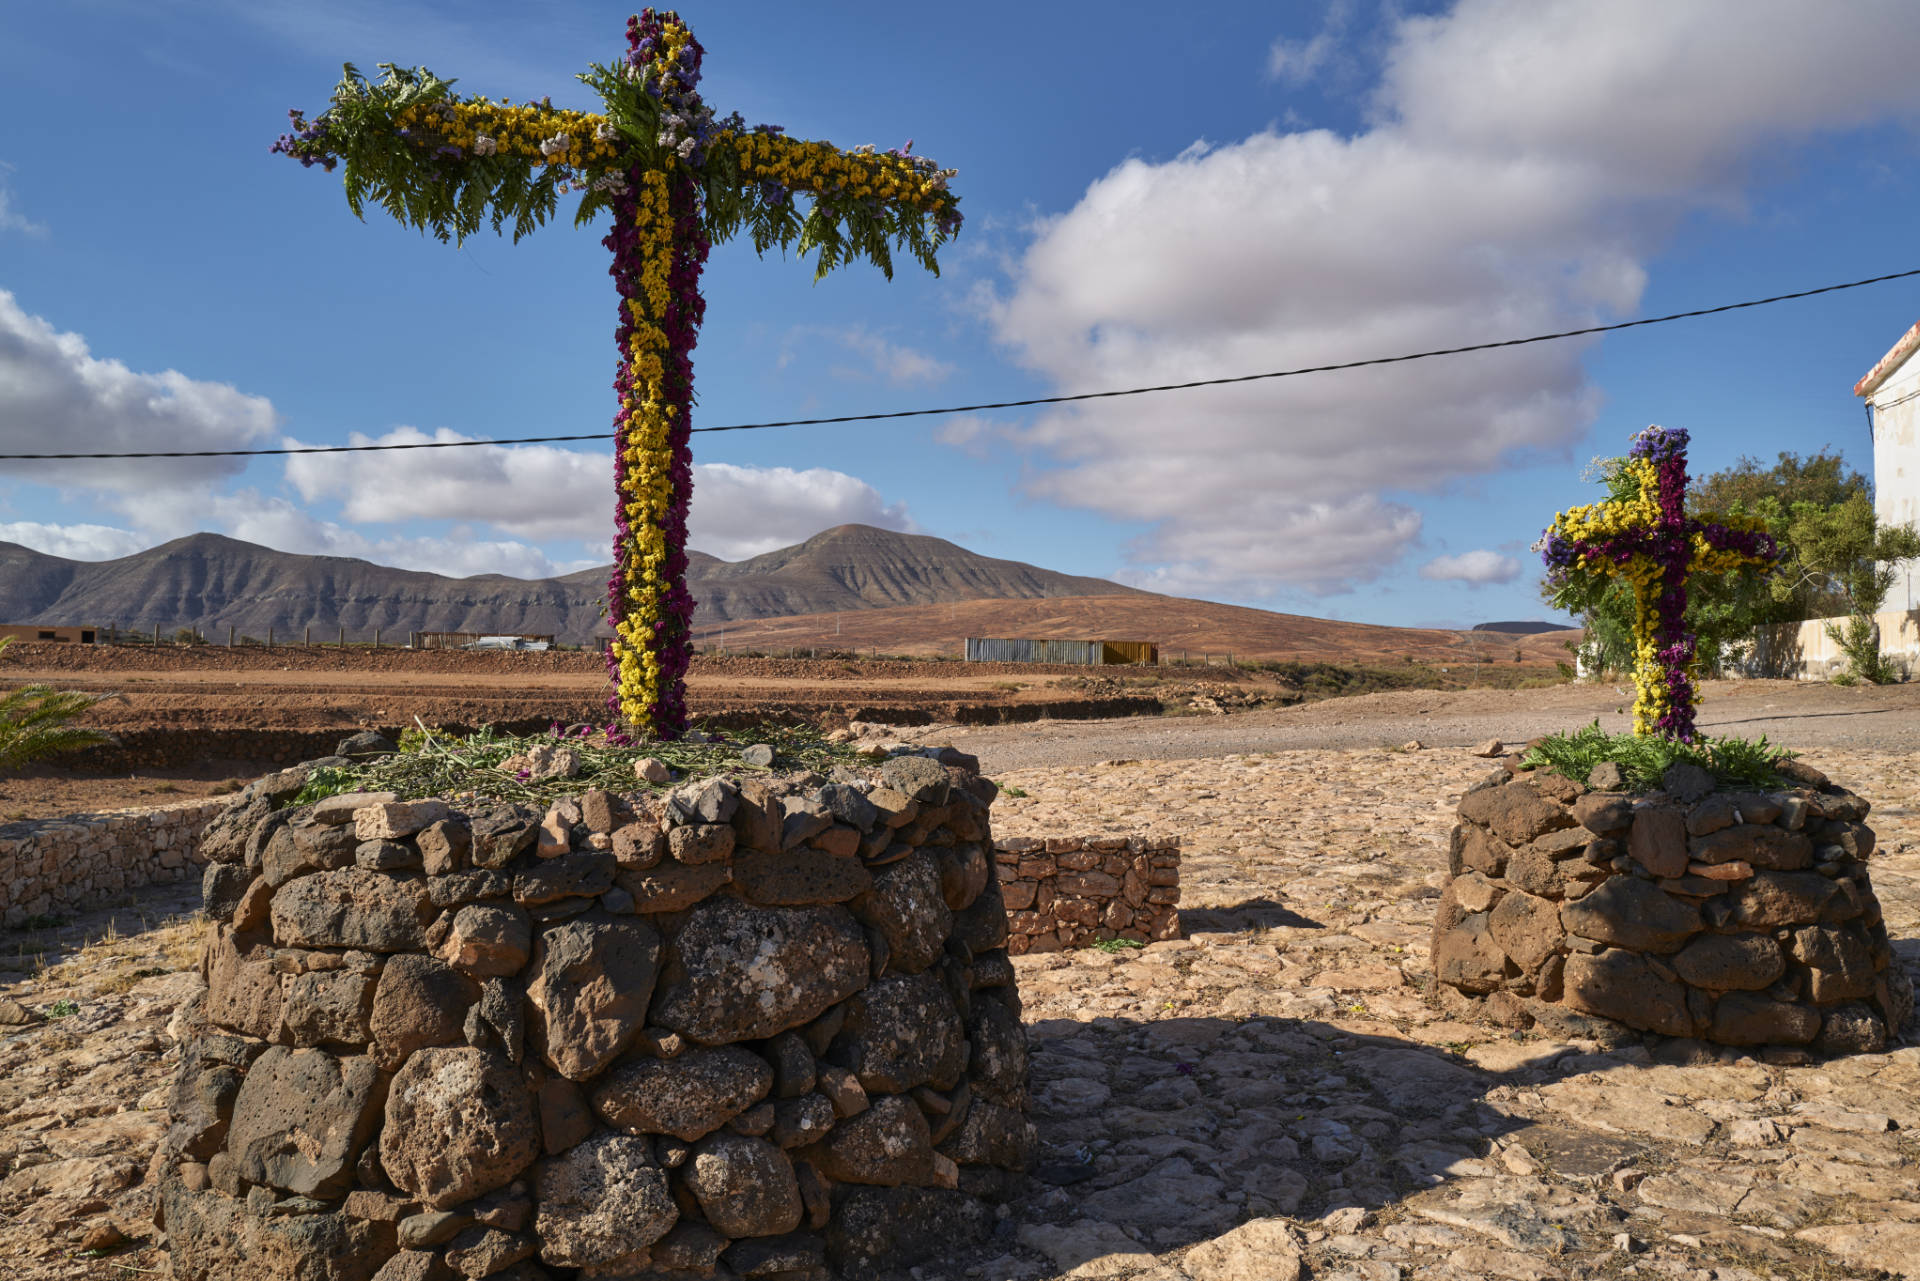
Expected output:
(1277, 1095)
(1288, 1058)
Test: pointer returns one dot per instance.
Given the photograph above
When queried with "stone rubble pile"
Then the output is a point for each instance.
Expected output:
(1743, 918)
(1070, 891)
(755, 1027)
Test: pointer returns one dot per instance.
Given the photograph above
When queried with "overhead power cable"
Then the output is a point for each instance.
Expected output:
(1004, 404)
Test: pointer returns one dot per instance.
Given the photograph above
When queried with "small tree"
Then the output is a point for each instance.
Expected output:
(1846, 551)
(34, 721)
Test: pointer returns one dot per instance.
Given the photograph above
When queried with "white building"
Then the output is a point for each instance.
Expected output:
(1892, 392)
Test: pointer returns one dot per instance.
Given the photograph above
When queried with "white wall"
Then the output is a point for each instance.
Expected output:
(1896, 467)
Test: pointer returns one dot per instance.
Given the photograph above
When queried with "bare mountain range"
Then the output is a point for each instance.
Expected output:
(210, 583)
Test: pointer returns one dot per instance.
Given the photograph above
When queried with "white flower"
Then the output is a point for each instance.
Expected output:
(685, 148)
(605, 132)
(483, 145)
(556, 146)
(665, 138)
(864, 149)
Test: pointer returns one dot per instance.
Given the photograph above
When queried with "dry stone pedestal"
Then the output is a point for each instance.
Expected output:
(759, 1027)
(1740, 917)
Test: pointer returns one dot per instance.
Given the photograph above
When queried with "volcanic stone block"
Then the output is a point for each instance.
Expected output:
(1467, 957)
(445, 845)
(243, 992)
(992, 1134)
(1631, 913)
(908, 909)
(888, 1144)
(801, 878)
(1603, 813)
(1620, 985)
(1658, 841)
(983, 927)
(1851, 1028)
(217, 1238)
(900, 1227)
(1726, 962)
(585, 873)
(200, 1107)
(711, 800)
(688, 1096)
(500, 833)
(489, 940)
(594, 978)
(418, 1002)
(1752, 1018)
(998, 1066)
(1841, 967)
(1516, 812)
(301, 1118)
(1477, 850)
(1773, 899)
(798, 1254)
(901, 1032)
(330, 1006)
(1760, 846)
(800, 1121)
(221, 889)
(459, 1123)
(745, 1186)
(793, 1067)
(738, 973)
(1527, 928)
(917, 778)
(672, 887)
(350, 907)
(602, 1204)
(699, 843)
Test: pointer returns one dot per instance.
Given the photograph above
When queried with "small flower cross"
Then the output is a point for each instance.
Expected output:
(1642, 533)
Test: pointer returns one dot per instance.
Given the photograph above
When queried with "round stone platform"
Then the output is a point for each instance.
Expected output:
(762, 1026)
(1743, 918)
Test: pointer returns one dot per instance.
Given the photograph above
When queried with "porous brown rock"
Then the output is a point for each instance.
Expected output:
(738, 972)
(688, 1096)
(704, 1034)
(1740, 917)
(458, 1124)
(593, 978)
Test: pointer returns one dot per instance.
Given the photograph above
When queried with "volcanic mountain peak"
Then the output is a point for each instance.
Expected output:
(211, 582)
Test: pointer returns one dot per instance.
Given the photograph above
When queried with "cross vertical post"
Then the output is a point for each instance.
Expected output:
(1642, 534)
(675, 180)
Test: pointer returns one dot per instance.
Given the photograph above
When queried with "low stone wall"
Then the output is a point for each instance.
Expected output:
(754, 1027)
(59, 865)
(1069, 891)
(1744, 918)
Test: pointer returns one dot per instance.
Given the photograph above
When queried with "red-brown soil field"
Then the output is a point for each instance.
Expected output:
(192, 717)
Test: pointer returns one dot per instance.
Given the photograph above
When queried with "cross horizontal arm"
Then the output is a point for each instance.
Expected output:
(449, 165)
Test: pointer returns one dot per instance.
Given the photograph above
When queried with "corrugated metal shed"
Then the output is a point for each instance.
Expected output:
(1092, 653)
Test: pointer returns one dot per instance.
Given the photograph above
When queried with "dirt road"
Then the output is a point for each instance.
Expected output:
(1798, 715)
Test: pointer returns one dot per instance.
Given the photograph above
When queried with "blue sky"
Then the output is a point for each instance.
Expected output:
(1149, 198)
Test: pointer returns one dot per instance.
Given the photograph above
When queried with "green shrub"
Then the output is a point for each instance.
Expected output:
(1643, 759)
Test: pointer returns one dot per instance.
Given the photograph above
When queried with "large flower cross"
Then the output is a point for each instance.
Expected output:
(1642, 533)
(675, 179)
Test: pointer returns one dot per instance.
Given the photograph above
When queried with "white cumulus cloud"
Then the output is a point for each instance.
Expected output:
(75, 542)
(56, 396)
(1477, 567)
(542, 493)
(1524, 162)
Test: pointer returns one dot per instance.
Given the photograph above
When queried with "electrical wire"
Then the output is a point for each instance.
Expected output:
(1004, 404)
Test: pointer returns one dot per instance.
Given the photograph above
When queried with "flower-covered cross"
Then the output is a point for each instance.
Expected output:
(676, 179)
(1642, 533)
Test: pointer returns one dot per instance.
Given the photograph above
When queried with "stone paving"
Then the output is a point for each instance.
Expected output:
(1278, 1095)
